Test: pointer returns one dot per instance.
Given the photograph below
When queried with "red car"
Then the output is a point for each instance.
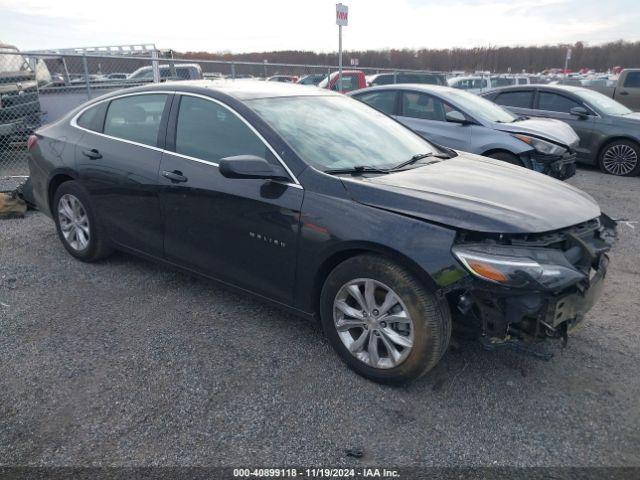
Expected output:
(351, 80)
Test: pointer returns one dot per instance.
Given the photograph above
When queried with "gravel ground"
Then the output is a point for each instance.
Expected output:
(128, 363)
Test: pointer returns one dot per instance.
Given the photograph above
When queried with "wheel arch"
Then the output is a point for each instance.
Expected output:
(57, 178)
(350, 250)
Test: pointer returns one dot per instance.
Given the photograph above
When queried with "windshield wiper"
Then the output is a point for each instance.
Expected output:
(417, 157)
(357, 170)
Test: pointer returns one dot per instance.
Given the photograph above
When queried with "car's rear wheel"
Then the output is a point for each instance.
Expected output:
(506, 157)
(621, 158)
(78, 226)
(382, 321)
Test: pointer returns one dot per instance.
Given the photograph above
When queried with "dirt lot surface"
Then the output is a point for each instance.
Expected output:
(128, 363)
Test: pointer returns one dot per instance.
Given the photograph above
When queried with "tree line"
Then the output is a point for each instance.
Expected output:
(494, 59)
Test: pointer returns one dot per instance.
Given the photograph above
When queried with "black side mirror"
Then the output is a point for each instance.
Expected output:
(455, 116)
(250, 166)
(579, 112)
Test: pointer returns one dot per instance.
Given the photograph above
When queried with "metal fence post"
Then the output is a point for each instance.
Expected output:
(233, 71)
(155, 67)
(328, 77)
(86, 75)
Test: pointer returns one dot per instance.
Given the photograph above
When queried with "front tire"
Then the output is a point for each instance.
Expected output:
(78, 226)
(620, 158)
(382, 321)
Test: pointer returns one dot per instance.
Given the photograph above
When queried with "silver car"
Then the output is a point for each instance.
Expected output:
(467, 122)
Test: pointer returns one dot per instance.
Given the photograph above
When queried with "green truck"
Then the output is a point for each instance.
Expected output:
(20, 111)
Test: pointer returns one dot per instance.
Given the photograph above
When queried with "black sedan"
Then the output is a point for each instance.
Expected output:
(609, 132)
(321, 204)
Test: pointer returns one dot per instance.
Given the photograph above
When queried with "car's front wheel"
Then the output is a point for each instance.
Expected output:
(621, 157)
(382, 320)
(77, 224)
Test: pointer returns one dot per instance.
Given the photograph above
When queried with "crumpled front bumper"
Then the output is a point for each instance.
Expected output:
(560, 167)
(504, 314)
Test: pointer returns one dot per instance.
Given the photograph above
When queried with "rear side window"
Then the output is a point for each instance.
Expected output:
(136, 118)
(553, 102)
(383, 101)
(632, 80)
(209, 131)
(347, 83)
(515, 99)
(93, 118)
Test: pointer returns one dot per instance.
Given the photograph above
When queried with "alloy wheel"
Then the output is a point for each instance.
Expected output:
(620, 159)
(74, 222)
(373, 323)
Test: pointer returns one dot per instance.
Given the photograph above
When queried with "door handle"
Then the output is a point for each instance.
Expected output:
(624, 93)
(175, 176)
(93, 154)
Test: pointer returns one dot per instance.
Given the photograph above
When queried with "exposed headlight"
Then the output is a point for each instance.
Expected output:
(519, 267)
(541, 146)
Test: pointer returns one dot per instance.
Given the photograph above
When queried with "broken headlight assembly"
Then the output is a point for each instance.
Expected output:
(518, 267)
(541, 146)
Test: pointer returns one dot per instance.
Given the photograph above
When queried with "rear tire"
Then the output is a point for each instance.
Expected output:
(78, 226)
(393, 352)
(506, 157)
(620, 158)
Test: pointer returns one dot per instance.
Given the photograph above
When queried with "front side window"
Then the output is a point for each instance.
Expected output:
(384, 101)
(632, 80)
(553, 102)
(425, 107)
(209, 131)
(335, 131)
(519, 99)
(136, 118)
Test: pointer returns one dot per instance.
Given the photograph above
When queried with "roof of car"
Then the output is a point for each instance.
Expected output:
(239, 89)
(562, 88)
(423, 87)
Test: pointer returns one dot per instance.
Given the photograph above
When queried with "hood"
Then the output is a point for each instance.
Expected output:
(630, 118)
(545, 128)
(476, 193)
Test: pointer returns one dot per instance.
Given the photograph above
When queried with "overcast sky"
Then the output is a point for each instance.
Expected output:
(260, 25)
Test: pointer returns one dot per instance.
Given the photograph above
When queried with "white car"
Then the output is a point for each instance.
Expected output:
(480, 83)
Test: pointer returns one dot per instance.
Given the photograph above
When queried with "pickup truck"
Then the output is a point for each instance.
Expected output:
(626, 90)
(20, 111)
(351, 80)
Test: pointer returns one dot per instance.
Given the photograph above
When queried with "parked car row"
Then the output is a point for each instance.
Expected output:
(335, 210)
(464, 121)
(609, 132)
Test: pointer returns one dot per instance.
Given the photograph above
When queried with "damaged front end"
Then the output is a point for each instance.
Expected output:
(527, 288)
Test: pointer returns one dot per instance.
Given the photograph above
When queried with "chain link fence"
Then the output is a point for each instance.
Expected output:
(40, 88)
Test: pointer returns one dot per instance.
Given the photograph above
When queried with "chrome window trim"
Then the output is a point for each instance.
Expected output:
(74, 123)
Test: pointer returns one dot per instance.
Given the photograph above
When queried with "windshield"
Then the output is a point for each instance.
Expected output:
(481, 108)
(11, 62)
(602, 103)
(338, 132)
